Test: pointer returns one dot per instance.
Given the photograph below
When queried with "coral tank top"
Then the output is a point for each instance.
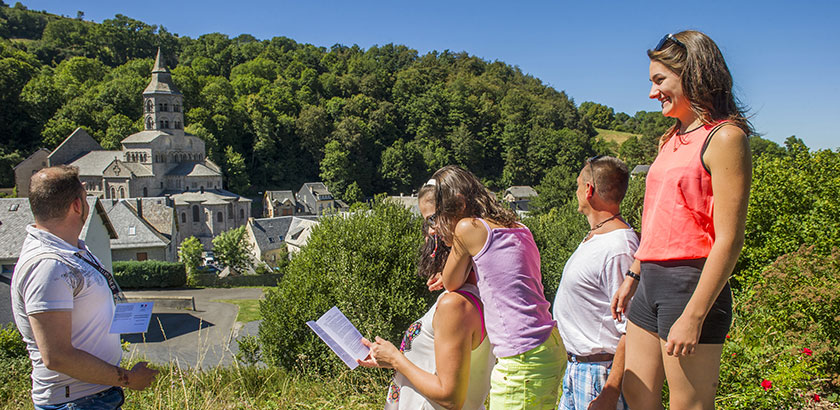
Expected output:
(677, 221)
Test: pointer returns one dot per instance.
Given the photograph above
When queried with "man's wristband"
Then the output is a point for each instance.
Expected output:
(633, 275)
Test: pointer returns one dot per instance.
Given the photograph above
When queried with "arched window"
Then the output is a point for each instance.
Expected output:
(196, 216)
(149, 123)
(220, 217)
(241, 213)
(149, 106)
(160, 106)
(165, 107)
(122, 192)
(166, 124)
(162, 124)
(113, 193)
(145, 191)
(183, 217)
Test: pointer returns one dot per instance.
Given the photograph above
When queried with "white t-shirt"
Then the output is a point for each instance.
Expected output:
(72, 285)
(590, 278)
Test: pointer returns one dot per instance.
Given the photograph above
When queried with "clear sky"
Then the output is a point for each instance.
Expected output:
(784, 55)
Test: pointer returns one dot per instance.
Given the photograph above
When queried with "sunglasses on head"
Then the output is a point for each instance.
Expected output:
(665, 39)
(589, 162)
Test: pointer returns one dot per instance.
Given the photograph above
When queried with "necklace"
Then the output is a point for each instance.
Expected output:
(600, 224)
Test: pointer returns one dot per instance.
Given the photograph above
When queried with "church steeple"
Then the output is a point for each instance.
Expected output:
(162, 102)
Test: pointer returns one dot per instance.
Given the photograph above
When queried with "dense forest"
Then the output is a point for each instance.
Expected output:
(276, 113)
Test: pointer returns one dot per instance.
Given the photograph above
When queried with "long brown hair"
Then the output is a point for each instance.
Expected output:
(705, 80)
(431, 257)
(459, 194)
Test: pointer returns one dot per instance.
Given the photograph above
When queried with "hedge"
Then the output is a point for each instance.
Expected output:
(212, 280)
(150, 274)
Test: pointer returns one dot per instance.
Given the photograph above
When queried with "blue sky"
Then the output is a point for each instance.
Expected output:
(784, 56)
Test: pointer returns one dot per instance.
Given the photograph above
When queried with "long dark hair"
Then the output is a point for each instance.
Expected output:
(705, 80)
(460, 194)
(431, 257)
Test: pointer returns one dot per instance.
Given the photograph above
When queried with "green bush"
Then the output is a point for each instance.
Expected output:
(149, 274)
(15, 368)
(786, 331)
(794, 202)
(363, 263)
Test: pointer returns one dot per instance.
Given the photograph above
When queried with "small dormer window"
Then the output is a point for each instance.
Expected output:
(132, 230)
(270, 240)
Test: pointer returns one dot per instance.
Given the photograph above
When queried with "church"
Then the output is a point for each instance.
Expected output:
(174, 189)
(162, 159)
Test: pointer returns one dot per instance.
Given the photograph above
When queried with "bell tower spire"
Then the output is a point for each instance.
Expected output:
(162, 102)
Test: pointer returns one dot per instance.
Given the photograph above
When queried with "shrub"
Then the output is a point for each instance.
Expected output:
(786, 331)
(149, 274)
(15, 368)
(212, 280)
(363, 263)
(232, 249)
(793, 203)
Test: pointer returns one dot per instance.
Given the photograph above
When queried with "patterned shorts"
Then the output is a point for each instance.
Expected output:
(582, 383)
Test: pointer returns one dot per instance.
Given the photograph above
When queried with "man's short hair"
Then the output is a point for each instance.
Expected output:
(611, 177)
(52, 190)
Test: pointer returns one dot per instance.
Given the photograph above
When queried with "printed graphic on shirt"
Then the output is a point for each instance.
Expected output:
(75, 280)
(408, 337)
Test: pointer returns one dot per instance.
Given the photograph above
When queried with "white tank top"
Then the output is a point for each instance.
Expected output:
(418, 345)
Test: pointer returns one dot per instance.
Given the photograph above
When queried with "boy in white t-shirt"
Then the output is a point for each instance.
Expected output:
(594, 340)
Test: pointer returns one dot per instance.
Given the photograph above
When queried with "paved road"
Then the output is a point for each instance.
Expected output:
(202, 338)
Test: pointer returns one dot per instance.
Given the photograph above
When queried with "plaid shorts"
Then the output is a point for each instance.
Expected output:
(583, 382)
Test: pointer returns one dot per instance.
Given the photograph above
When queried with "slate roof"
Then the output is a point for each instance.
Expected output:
(132, 230)
(269, 233)
(68, 151)
(94, 163)
(161, 79)
(640, 169)
(31, 156)
(208, 197)
(299, 231)
(317, 188)
(521, 191)
(143, 136)
(15, 216)
(281, 196)
(193, 169)
(137, 169)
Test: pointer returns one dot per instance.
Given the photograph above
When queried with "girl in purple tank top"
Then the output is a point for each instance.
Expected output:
(486, 237)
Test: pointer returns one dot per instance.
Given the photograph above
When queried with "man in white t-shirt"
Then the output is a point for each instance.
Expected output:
(593, 339)
(63, 303)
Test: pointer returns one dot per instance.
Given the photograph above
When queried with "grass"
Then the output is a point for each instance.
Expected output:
(617, 136)
(249, 309)
(236, 387)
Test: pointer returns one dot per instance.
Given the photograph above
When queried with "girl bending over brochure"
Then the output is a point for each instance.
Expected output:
(444, 359)
(487, 239)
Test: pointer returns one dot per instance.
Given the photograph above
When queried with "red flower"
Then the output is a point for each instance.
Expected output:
(807, 351)
(767, 384)
(816, 397)
(728, 336)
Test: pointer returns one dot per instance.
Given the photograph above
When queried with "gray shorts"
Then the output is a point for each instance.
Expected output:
(664, 292)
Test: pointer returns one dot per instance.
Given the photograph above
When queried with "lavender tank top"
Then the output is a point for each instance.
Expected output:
(516, 313)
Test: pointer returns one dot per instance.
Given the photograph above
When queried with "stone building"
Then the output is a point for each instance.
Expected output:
(162, 159)
(161, 172)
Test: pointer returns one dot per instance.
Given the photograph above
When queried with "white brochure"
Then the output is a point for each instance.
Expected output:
(341, 336)
(131, 317)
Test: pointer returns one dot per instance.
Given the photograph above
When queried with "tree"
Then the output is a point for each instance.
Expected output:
(190, 254)
(235, 171)
(335, 168)
(231, 249)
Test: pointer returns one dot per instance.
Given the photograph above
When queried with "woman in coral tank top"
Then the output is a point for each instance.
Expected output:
(695, 209)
